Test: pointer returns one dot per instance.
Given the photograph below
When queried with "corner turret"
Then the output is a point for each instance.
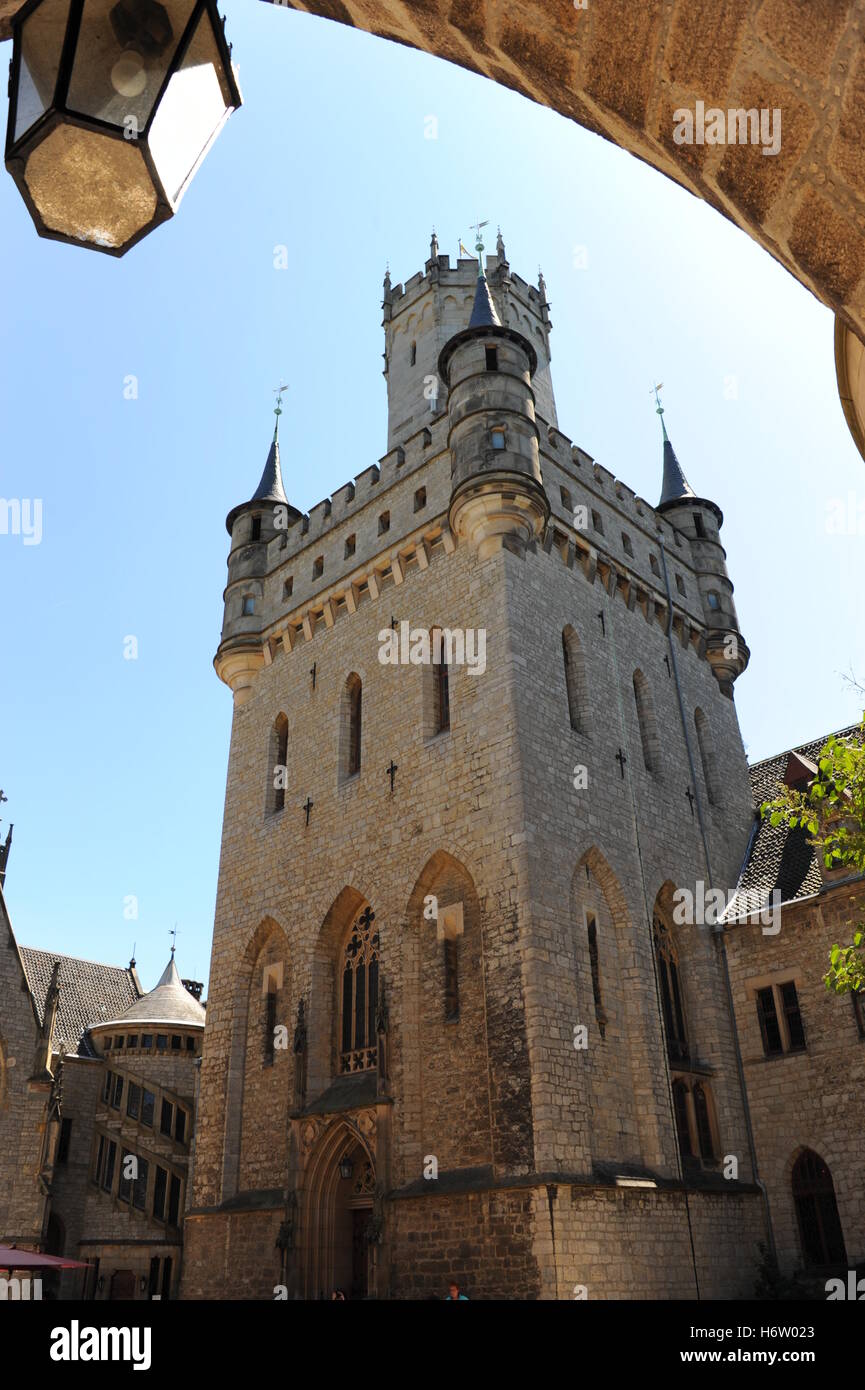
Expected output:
(700, 521)
(252, 526)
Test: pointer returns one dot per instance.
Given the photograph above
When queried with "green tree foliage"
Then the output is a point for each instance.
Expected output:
(832, 811)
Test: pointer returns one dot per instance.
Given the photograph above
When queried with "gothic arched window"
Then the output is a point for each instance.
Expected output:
(360, 960)
(817, 1211)
(671, 994)
(575, 680)
(277, 769)
(350, 733)
(646, 720)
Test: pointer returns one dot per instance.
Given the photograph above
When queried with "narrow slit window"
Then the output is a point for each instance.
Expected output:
(595, 966)
(452, 1000)
(441, 684)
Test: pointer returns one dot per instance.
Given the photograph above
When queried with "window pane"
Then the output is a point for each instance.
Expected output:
(42, 41)
(108, 1175)
(124, 1186)
(148, 1102)
(180, 1126)
(161, 1042)
(159, 1187)
(146, 1039)
(790, 1004)
(175, 1042)
(173, 1201)
(190, 112)
(117, 1093)
(165, 1118)
(133, 1101)
(139, 1185)
(768, 1018)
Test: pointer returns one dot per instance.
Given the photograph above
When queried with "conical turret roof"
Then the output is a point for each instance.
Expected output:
(484, 321)
(270, 491)
(168, 1002)
(484, 312)
(675, 486)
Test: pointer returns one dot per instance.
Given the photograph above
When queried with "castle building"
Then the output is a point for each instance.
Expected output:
(469, 1016)
(483, 727)
(97, 1091)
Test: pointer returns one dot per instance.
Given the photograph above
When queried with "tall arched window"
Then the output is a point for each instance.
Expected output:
(707, 755)
(817, 1211)
(704, 1124)
(671, 994)
(350, 726)
(646, 720)
(575, 681)
(277, 771)
(441, 684)
(683, 1128)
(360, 959)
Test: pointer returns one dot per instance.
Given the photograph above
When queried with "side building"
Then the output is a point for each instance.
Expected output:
(803, 1047)
(97, 1103)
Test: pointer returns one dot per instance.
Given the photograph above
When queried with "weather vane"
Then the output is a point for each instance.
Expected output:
(478, 227)
(659, 409)
(173, 934)
(278, 393)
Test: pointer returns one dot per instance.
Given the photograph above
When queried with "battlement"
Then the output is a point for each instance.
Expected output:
(342, 554)
(433, 305)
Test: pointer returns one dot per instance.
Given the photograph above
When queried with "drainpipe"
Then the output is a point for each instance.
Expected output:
(718, 931)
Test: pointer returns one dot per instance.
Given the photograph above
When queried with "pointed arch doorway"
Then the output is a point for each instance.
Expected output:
(339, 1209)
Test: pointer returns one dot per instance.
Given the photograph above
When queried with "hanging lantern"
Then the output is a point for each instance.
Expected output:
(113, 105)
(346, 1167)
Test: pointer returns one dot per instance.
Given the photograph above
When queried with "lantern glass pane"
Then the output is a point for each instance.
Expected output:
(92, 187)
(123, 54)
(42, 38)
(194, 107)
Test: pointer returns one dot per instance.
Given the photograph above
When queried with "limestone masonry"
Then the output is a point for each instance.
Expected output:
(456, 1026)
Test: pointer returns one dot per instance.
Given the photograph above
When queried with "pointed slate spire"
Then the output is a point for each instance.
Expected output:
(675, 486)
(270, 490)
(484, 312)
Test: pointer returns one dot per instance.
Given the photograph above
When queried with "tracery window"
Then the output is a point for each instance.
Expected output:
(360, 962)
(671, 994)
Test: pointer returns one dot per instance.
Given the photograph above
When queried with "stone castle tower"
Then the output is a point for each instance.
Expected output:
(453, 1030)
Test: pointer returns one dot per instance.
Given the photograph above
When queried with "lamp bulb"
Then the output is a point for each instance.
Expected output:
(129, 76)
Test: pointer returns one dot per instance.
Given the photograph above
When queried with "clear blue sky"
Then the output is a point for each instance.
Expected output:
(115, 769)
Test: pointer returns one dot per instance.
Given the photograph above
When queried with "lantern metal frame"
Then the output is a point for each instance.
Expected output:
(58, 113)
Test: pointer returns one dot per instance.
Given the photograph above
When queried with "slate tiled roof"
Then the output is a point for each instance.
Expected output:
(777, 856)
(89, 992)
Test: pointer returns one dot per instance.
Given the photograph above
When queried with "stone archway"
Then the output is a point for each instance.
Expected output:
(621, 69)
(337, 1213)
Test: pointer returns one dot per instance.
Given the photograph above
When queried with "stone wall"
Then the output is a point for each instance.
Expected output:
(813, 1099)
